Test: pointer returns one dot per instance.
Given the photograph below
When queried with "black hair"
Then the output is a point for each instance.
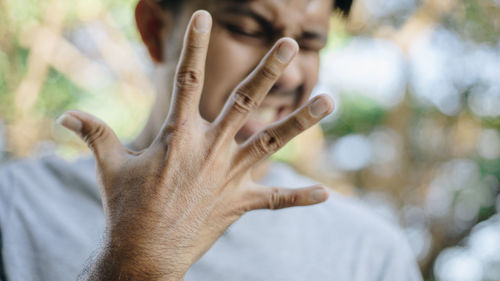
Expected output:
(343, 6)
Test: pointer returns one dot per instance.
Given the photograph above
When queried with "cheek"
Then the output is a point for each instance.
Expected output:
(228, 62)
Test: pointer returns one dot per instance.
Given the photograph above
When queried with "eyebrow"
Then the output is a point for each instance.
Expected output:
(266, 23)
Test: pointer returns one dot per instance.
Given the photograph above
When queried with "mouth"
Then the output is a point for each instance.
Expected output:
(272, 109)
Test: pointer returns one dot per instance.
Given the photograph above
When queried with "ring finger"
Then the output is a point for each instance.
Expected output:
(252, 91)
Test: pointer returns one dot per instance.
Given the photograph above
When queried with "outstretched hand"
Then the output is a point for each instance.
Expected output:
(165, 206)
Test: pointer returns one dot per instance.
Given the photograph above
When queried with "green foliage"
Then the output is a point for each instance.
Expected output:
(359, 114)
(489, 122)
(485, 212)
(13, 67)
(489, 167)
(58, 95)
(4, 97)
(475, 22)
(24, 13)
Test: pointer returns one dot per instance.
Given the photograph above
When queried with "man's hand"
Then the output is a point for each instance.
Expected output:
(165, 206)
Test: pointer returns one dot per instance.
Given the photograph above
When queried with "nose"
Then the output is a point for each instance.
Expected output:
(292, 77)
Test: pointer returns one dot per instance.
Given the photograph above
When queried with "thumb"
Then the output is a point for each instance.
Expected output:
(99, 137)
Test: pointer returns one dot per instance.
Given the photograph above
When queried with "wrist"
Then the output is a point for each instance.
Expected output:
(124, 262)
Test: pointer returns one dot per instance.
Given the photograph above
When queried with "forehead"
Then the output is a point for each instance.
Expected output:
(283, 12)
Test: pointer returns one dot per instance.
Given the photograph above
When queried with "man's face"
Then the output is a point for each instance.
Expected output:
(243, 32)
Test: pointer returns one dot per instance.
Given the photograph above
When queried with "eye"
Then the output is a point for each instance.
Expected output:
(311, 46)
(237, 29)
(309, 49)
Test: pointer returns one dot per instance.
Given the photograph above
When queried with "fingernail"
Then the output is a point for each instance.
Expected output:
(318, 108)
(285, 52)
(202, 22)
(70, 122)
(318, 195)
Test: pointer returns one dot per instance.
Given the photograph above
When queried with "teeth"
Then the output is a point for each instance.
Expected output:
(264, 114)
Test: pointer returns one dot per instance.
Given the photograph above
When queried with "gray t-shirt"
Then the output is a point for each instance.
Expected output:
(51, 222)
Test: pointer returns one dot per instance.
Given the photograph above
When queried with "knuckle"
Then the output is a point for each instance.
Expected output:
(194, 47)
(194, 42)
(243, 101)
(94, 134)
(270, 72)
(267, 143)
(175, 130)
(188, 78)
(278, 200)
(298, 123)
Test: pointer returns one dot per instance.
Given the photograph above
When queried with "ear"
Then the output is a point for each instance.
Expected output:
(151, 20)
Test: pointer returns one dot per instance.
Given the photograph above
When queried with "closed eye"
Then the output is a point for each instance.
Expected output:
(245, 32)
(312, 41)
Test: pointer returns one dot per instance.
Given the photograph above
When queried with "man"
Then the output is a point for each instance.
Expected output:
(177, 200)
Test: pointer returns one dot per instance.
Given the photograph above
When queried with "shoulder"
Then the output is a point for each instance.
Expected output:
(47, 206)
(45, 177)
(46, 168)
(353, 226)
(43, 166)
(342, 210)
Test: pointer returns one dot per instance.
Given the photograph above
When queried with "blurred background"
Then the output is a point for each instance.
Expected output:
(415, 133)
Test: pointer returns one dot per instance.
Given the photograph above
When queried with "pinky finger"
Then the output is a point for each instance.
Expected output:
(273, 198)
(275, 136)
